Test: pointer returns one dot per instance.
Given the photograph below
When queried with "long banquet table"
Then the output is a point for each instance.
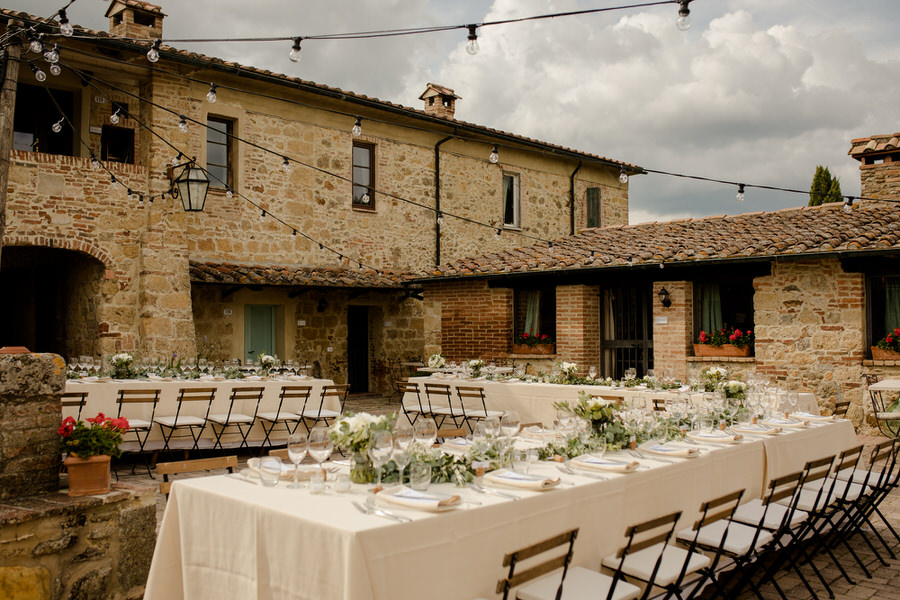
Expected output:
(534, 401)
(102, 398)
(225, 538)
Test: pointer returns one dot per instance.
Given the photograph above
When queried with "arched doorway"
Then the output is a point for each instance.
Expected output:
(49, 299)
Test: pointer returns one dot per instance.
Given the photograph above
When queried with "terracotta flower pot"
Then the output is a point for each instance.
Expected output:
(536, 349)
(723, 350)
(881, 354)
(88, 476)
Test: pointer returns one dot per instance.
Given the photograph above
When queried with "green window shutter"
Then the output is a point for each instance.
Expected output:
(259, 330)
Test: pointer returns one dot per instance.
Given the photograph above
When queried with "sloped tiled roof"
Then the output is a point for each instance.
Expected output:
(874, 143)
(790, 232)
(229, 273)
(238, 69)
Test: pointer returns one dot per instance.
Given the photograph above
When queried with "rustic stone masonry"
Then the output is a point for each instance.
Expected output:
(53, 547)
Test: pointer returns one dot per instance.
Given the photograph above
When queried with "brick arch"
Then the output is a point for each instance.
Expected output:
(65, 243)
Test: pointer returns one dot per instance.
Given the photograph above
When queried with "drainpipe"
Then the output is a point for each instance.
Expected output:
(572, 198)
(437, 199)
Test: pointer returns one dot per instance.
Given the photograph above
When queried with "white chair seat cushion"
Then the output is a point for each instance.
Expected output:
(482, 414)
(852, 490)
(180, 421)
(443, 410)
(581, 584)
(738, 540)
(138, 423)
(751, 513)
(276, 416)
(321, 414)
(641, 563)
(412, 408)
(225, 419)
(888, 416)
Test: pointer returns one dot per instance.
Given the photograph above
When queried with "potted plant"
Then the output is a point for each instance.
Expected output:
(90, 444)
(530, 343)
(888, 347)
(725, 342)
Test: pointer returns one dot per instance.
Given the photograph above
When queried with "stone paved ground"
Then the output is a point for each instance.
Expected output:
(884, 584)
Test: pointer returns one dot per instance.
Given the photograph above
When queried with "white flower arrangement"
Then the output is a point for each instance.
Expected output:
(267, 361)
(717, 372)
(568, 369)
(436, 361)
(353, 431)
(735, 388)
(123, 360)
(476, 363)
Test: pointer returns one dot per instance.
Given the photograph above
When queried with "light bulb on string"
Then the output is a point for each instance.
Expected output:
(95, 164)
(495, 155)
(293, 232)
(294, 54)
(684, 16)
(140, 201)
(360, 266)
(262, 215)
(55, 70)
(848, 205)
(65, 28)
(322, 248)
(35, 45)
(112, 179)
(440, 218)
(52, 55)
(285, 164)
(365, 199)
(497, 234)
(740, 193)
(228, 192)
(182, 124)
(153, 52)
(57, 127)
(177, 160)
(472, 40)
(38, 74)
(211, 96)
(114, 118)
(356, 130)
(550, 247)
(623, 175)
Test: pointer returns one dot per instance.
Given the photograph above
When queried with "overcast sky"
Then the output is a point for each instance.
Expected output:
(759, 91)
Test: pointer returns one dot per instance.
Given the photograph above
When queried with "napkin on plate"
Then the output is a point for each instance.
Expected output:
(756, 429)
(457, 445)
(805, 416)
(521, 480)
(675, 451)
(782, 422)
(409, 498)
(538, 433)
(594, 463)
(718, 437)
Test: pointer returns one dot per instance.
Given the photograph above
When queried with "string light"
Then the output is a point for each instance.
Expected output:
(38, 74)
(294, 54)
(112, 179)
(114, 118)
(495, 155)
(365, 198)
(57, 127)
(740, 193)
(623, 175)
(440, 218)
(684, 15)
(36, 45)
(550, 247)
(211, 96)
(497, 235)
(153, 52)
(356, 131)
(262, 215)
(140, 201)
(285, 164)
(228, 193)
(293, 232)
(322, 248)
(472, 41)
(95, 164)
(55, 70)
(848, 205)
(177, 160)
(65, 28)
(52, 55)
(182, 124)
(360, 265)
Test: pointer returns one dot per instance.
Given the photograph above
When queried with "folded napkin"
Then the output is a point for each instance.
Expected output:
(536, 432)
(805, 416)
(782, 422)
(521, 480)
(675, 451)
(604, 464)
(457, 445)
(718, 437)
(409, 498)
(756, 429)
(287, 470)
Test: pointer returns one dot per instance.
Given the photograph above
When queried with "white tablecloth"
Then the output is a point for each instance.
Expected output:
(102, 398)
(224, 538)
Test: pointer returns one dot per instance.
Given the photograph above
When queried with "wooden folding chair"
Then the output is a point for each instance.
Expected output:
(888, 422)
(840, 409)
(325, 414)
(411, 401)
(243, 422)
(547, 565)
(228, 462)
(659, 405)
(473, 406)
(74, 399)
(438, 396)
(193, 424)
(451, 432)
(138, 427)
(292, 393)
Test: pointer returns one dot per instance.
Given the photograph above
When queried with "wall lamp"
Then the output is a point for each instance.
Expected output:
(190, 184)
(664, 298)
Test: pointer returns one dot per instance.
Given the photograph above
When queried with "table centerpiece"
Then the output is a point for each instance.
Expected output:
(353, 433)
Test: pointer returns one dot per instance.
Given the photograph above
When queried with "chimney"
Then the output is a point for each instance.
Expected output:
(135, 19)
(440, 101)
(879, 165)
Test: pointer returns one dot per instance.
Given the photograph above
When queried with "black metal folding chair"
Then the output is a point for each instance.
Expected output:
(320, 413)
(438, 396)
(137, 426)
(295, 394)
(411, 401)
(234, 418)
(74, 400)
(169, 424)
(227, 462)
(472, 405)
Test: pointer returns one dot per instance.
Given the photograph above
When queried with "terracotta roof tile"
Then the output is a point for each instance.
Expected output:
(872, 144)
(230, 273)
(788, 232)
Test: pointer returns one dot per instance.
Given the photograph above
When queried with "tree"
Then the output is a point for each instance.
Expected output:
(824, 188)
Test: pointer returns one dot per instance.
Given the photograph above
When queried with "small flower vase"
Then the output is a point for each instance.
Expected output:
(362, 471)
(88, 476)
(598, 426)
(476, 372)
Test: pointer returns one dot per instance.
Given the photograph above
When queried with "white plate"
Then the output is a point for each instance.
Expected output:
(409, 498)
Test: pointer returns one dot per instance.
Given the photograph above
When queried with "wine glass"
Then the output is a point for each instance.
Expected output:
(492, 427)
(320, 445)
(380, 452)
(425, 431)
(403, 438)
(630, 373)
(592, 372)
(297, 446)
(73, 364)
(793, 399)
(202, 365)
(98, 364)
(510, 423)
(88, 364)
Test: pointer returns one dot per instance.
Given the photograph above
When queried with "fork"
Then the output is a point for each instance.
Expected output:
(370, 510)
(486, 490)
(570, 471)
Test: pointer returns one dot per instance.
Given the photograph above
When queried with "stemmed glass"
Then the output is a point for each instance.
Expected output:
(592, 371)
(320, 445)
(793, 399)
(510, 423)
(98, 364)
(73, 364)
(403, 438)
(202, 364)
(630, 373)
(297, 446)
(425, 432)
(380, 452)
(87, 364)
(492, 427)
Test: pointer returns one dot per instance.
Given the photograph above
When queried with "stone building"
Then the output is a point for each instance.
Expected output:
(301, 262)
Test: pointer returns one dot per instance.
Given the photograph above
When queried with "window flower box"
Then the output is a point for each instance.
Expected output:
(534, 349)
(725, 350)
(882, 354)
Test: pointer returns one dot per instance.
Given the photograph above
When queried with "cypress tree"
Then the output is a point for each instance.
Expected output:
(824, 188)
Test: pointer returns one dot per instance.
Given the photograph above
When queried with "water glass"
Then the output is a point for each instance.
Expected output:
(269, 470)
(420, 476)
(317, 482)
(426, 432)
(520, 461)
(342, 483)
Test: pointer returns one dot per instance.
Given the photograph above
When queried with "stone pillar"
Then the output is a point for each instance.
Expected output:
(578, 325)
(673, 328)
(30, 389)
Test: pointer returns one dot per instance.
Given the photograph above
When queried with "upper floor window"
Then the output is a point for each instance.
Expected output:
(723, 303)
(511, 208)
(220, 152)
(535, 314)
(35, 115)
(882, 306)
(593, 207)
(117, 144)
(363, 175)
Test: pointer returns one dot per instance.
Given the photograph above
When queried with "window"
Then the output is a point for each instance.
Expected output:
(723, 303)
(33, 122)
(363, 175)
(883, 306)
(593, 207)
(117, 144)
(219, 152)
(511, 213)
(535, 312)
